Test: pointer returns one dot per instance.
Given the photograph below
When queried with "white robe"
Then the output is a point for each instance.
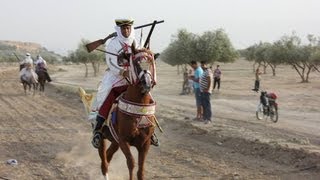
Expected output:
(28, 72)
(112, 77)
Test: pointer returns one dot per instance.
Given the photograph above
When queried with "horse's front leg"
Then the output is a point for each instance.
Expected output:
(103, 156)
(142, 151)
(34, 89)
(111, 150)
(125, 147)
(25, 89)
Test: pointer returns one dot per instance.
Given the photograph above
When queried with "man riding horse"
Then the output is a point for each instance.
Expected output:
(26, 70)
(41, 65)
(114, 82)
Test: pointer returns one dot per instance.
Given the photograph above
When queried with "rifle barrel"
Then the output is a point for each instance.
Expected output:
(150, 24)
(149, 35)
(93, 45)
(16, 56)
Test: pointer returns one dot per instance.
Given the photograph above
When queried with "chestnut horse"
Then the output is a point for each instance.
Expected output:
(135, 122)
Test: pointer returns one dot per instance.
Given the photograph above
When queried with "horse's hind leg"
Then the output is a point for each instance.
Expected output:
(125, 147)
(25, 88)
(142, 151)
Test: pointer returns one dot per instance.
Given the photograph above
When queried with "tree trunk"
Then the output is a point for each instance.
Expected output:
(301, 74)
(265, 67)
(310, 67)
(94, 66)
(273, 71)
(86, 73)
(273, 67)
(254, 67)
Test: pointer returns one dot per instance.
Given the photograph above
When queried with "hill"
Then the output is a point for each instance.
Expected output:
(8, 49)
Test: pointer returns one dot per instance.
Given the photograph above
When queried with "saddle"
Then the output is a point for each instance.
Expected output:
(141, 112)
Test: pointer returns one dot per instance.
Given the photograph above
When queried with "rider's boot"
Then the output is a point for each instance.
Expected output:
(155, 140)
(97, 135)
(48, 77)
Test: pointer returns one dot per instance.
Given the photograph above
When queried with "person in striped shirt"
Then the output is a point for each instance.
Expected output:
(206, 87)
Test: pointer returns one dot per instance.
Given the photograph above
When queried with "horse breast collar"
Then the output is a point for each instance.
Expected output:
(142, 112)
(136, 109)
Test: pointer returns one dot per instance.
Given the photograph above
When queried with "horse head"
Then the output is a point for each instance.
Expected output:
(142, 72)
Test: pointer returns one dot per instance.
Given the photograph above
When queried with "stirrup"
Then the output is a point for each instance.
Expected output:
(96, 139)
(155, 140)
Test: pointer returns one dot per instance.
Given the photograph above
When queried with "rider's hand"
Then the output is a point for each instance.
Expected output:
(126, 74)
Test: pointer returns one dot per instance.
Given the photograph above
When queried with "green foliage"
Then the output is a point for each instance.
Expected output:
(179, 50)
(81, 55)
(211, 46)
(4, 47)
(222, 50)
(288, 50)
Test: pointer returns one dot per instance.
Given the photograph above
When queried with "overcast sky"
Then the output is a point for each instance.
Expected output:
(59, 25)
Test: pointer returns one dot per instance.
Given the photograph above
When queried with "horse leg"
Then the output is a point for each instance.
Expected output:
(25, 88)
(43, 86)
(125, 147)
(103, 156)
(142, 151)
(34, 88)
(111, 150)
(29, 88)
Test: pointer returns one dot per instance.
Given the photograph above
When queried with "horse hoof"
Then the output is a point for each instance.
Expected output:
(106, 177)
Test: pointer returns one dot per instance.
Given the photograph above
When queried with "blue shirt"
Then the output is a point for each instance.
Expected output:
(197, 74)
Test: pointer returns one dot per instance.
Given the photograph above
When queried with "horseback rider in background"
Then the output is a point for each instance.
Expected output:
(41, 65)
(114, 82)
(26, 69)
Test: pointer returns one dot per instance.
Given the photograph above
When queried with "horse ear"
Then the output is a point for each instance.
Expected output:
(156, 55)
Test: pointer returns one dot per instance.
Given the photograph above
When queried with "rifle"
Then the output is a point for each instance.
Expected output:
(16, 56)
(147, 43)
(93, 45)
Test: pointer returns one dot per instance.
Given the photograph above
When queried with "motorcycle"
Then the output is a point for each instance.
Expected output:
(267, 107)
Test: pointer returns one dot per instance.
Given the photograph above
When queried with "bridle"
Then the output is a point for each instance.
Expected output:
(138, 73)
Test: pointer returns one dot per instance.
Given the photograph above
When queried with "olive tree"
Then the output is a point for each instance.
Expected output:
(303, 58)
(211, 46)
(80, 55)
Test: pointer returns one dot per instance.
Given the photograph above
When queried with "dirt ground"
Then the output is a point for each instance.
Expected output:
(50, 138)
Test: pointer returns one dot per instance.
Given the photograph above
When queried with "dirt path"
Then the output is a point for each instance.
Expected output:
(49, 137)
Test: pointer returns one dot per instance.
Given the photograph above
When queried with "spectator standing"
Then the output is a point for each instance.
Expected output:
(206, 89)
(190, 81)
(196, 86)
(257, 81)
(217, 77)
(185, 84)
